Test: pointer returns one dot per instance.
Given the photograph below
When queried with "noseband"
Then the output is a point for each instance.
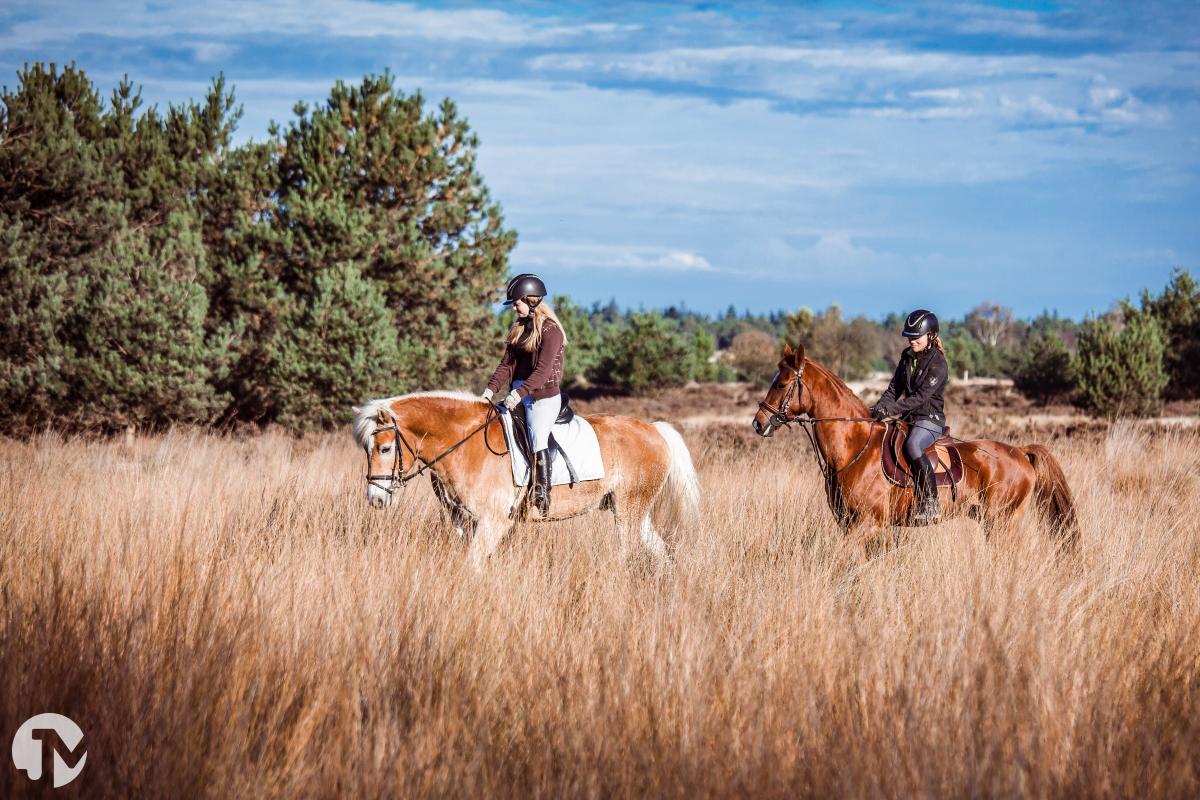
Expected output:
(779, 416)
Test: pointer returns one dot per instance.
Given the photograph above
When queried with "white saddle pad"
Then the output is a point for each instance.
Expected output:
(576, 437)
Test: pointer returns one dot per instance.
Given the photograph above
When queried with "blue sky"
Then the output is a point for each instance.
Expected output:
(879, 155)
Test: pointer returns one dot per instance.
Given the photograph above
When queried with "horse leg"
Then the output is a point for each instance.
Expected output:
(632, 519)
(653, 543)
(490, 530)
(460, 520)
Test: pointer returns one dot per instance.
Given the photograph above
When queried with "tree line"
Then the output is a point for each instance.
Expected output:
(153, 273)
(1124, 362)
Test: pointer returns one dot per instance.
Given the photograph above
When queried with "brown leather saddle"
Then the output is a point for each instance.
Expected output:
(947, 463)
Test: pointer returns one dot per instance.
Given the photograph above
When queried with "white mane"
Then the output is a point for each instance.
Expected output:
(364, 415)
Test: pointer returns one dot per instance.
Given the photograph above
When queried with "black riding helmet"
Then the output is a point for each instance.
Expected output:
(919, 323)
(524, 285)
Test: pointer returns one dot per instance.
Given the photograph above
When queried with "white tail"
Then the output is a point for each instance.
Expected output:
(678, 503)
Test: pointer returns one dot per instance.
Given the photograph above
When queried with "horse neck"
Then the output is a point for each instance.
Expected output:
(831, 398)
(436, 423)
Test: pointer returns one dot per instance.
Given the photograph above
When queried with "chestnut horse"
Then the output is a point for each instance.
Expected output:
(999, 479)
(648, 474)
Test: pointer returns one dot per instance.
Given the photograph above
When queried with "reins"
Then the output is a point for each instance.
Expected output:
(397, 474)
(781, 418)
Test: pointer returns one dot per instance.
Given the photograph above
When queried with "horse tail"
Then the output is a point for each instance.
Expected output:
(678, 503)
(1052, 492)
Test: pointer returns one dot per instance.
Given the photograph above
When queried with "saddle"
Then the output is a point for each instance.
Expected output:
(521, 430)
(947, 463)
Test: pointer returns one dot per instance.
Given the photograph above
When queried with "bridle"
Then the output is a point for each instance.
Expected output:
(780, 418)
(396, 476)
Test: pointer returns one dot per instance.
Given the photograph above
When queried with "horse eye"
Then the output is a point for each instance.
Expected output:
(387, 448)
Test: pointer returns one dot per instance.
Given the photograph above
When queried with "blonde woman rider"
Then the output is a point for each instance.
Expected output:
(533, 365)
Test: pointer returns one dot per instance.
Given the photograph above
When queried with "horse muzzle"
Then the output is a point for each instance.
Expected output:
(378, 496)
(763, 430)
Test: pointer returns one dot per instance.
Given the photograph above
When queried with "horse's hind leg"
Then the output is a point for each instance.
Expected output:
(653, 543)
(633, 523)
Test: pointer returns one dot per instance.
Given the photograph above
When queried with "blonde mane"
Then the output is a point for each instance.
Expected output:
(364, 415)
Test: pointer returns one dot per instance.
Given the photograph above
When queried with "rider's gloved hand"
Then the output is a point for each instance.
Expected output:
(513, 400)
(487, 395)
(878, 412)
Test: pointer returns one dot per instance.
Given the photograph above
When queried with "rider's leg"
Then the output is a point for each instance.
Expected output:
(542, 414)
(924, 482)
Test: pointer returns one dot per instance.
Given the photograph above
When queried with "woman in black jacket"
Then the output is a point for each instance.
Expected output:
(915, 395)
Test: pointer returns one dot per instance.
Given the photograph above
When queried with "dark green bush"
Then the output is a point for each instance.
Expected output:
(646, 354)
(1043, 368)
(1118, 371)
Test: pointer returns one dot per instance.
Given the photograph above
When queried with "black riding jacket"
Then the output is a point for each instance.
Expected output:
(920, 380)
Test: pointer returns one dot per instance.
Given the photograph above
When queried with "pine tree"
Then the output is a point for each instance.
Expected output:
(337, 349)
(646, 354)
(101, 317)
(368, 179)
(1043, 367)
(1119, 372)
(1178, 310)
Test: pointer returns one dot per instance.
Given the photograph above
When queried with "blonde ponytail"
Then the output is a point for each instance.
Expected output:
(539, 313)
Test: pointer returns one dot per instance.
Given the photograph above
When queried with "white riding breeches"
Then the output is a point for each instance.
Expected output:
(539, 417)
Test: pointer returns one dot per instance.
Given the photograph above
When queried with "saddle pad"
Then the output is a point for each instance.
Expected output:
(947, 463)
(576, 437)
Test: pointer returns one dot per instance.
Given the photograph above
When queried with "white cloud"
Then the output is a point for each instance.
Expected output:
(64, 21)
(589, 255)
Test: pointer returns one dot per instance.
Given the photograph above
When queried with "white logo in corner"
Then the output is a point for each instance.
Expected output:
(61, 736)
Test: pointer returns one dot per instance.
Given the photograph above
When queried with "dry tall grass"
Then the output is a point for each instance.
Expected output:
(227, 618)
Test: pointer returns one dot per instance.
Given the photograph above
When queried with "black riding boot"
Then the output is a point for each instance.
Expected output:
(541, 486)
(925, 496)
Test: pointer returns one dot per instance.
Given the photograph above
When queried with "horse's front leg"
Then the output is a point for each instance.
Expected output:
(460, 519)
(490, 529)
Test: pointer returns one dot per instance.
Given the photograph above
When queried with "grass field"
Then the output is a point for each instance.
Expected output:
(226, 617)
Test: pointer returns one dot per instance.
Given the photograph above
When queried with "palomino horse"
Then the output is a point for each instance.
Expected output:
(998, 479)
(649, 478)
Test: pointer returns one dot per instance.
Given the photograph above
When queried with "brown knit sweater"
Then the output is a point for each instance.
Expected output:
(542, 370)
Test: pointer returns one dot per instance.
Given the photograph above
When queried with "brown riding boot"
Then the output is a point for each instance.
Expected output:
(541, 485)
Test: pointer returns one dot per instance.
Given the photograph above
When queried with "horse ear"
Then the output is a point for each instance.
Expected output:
(787, 350)
(799, 353)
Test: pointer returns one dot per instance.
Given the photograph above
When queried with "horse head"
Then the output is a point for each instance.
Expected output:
(378, 432)
(784, 401)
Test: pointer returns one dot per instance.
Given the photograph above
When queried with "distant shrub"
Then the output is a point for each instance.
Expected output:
(1120, 372)
(754, 355)
(646, 354)
(1178, 311)
(1043, 368)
